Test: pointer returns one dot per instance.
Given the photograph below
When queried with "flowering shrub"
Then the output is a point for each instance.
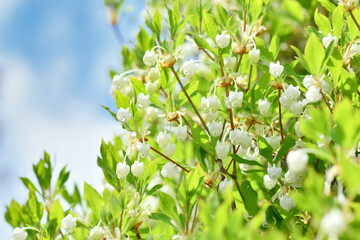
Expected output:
(231, 130)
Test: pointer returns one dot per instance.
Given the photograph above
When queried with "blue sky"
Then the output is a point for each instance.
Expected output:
(54, 62)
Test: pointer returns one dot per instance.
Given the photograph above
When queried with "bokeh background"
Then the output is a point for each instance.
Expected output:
(54, 62)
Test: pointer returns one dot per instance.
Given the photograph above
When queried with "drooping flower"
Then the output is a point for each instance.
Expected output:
(254, 55)
(143, 148)
(150, 58)
(276, 69)
(223, 40)
(137, 168)
(122, 170)
(142, 101)
(68, 223)
(123, 115)
(19, 234)
(328, 39)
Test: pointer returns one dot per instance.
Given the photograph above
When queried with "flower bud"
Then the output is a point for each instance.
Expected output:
(154, 74)
(122, 170)
(163, 139)
(229, 62)
(328, 39)
(68, 223)
(189, 68)
(142, 101)
(254, 55)
(150, 58)
(211, 116)
(215, 128)
(123, 115)
(286, 202)
(19, 234)
(297, 160)
(137, 168)
(169, 61)
(169, 170)
(269, 183)
(169, 150)
(264, 106)
(235, 99)
(222, 150)
(313, 94)
(180, 133)
(276, 69)
(118, 81)
(223, 40)
(143, 148)
(152, 88)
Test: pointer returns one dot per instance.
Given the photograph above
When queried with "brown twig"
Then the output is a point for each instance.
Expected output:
(238, 64)
(189, 99)
(280, 120)
(169, 159)
(327, 104)
(354, 19)
(208, 54)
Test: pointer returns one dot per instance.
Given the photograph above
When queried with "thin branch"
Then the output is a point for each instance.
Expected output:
(239, 62)
(249, 78)
(189, 99)
(208, 54)
(327, 104)
(220, 64)
(169, 159)
(280, 120)
(353, 18)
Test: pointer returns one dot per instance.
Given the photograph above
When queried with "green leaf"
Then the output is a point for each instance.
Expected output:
(191, 91)
(353, 29)
(93, 200)
(56, 212)
(28, 184)
(334, 65)
(241, 160)
(337, 19)
(122, 100)
(210, 25)
(222, 14)
(327, 4)
(304, 62)
(285, 147)
(202, 43)
(168, 206)
(156, 21)
(274, 46)
(265, 149)
(143, 39)
(265, 55)
(322, 22)
(255, 9)
(314, 53)
(249, 196)
(295, 9)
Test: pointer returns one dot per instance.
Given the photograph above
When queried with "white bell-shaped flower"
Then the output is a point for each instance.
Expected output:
(163, 139)
(236, 136)
(308, 81)
(215, 128)
(235, 99)
(269, 183)
(152, 87)
(274, 141)
(150, 58)
(292, 92)
(180, 133)
(285, 101)
(229, 62)
(254, 55)
(169, 150)
(286, 202)
(333, 223)
(143, 148)
(169, 170)
(97, 233)
(276, 69)
(297, 160)
(142, 101)
(211, 116)
(223, 40)
(137, 168)
(296, 108)
(297, 130)
(189, 68)
(154, 74)
(119, 81)
(222, 150)
(313, 94)
(264, 106)
(19, 234)
(122, 170)
(123, 115)
(274, 171)
(68, 223)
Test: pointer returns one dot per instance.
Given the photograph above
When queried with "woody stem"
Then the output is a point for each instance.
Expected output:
(169, 159)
